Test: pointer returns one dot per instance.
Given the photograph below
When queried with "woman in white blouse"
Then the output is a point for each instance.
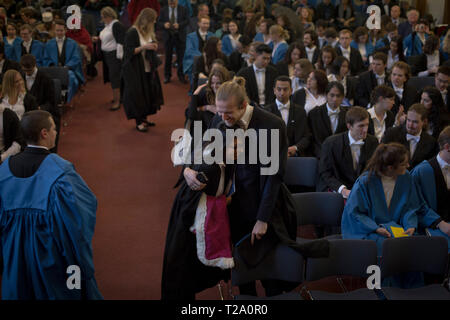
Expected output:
(316, 85)
(429, 61)
(14, 95)
(111, 38)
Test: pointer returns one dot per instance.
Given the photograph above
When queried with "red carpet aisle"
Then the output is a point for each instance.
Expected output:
(132, 176)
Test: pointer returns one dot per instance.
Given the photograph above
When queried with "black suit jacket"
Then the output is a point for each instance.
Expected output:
(236, 62)
(26, 163)
(11, 129)
(426, 149)
(299, 97)
(356, 61)
(43, 91)
(420, 63)
(252, 87)
(409, 97)
(182, 18)
(282, 68)
(297, 128)
(320, 125)
(366, 83)
(351, 83)
(336, 162)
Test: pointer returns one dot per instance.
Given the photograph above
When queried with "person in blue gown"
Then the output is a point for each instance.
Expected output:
(382, 197)
(29, 45)
(432, 178)
(13, 43)
(68, 56)
(47, 221)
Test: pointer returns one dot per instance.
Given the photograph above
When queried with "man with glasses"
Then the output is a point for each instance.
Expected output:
(442, 82)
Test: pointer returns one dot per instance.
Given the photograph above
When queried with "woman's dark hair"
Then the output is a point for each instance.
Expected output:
(287, 22)
(322, 81)
(295, 45)
(398, 40)
(360, 31)
(329, 49)
(223, 74)
(382, 91)
(250, 28)
(431, 44)
(32, 123)
(211, 52)
(269, 23)
(337, 63)
(337, 85)
(313, 35)
(437, 104)
(391, 154)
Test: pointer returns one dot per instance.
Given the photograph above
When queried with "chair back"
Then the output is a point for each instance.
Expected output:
(60, 73)
(319, 208)
(419, 83)
(301, 171)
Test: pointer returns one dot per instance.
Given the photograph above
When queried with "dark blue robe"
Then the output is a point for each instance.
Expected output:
(366, 209)
(192, 50)
(423, 176)
(72, 60)
(37, 50)
(14, 51)
(46, 224)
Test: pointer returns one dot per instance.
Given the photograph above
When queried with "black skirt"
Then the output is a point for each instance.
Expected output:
(114, 66)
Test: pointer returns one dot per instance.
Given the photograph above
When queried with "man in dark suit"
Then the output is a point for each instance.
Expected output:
(173, 20)
(422, 146)
(442, 83)
(6, 64)
(395, 16)
(260, 77)
(294, 116)
(368, 80)
(385, 6)
(344, 155)
(405, 94)
(343, 48)
(239, 57)
(407, 27)
(310, 41)
(329, 118)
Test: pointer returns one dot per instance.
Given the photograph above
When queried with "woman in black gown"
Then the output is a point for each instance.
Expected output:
(142, 93)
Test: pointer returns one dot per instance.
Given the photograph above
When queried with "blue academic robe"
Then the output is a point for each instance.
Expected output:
(369, 48)
(425, 181)
(279, 53)
(413, 48)
(187, 5)
(366, 209)
(260, 37)
(192, 50)
(46, 225)
(72, 60)
(37, 50)
(227, 47)
(13, 51)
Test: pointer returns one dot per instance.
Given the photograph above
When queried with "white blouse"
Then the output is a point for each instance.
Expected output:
(18, 107)
(142, 43)
(107, 38)
(388, 188)
(311, 102)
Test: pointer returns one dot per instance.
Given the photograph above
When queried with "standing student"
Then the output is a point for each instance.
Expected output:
(142, 93)
(58, 207)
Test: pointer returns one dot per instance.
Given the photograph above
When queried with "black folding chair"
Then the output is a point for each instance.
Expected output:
(280, 263)
(421, 82)
(347, 258)
(321, 209)
(415, 254)
(301, 174)
(62, 75)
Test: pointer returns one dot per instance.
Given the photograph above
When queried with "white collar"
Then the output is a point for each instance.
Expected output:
(442, 162)
(247, 116)
(414, 135)
(256, 68)
(202, 33)
(33, 75)
(344, 50)
(397, 88)
(34, 146)
(378, 76)
(331, 110)
(58, 39)
(353, 141)
(373, 114)
(310, 49)
(279, 104)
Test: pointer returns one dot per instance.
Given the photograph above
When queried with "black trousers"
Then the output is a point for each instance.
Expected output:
(172, 42)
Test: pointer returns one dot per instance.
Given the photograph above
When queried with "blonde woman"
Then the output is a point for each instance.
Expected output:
(14, 95)
(280, 46)
(142, 94)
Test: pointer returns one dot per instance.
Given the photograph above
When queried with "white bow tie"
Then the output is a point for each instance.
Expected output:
(379, 77)
(410, 137)
(358, 143)
(259, 70)
(283, 107)
(333, 113)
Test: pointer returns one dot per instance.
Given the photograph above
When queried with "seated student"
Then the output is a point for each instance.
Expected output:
(10, 135)
(429, 61)
(5, 63)
(437, 115)
(294, 116)
(195, 42)
(243, 56)
(361, 42)
(368, 80)
(391, 32)
(13, 46)
(314, 93)
(31, 46)
(263, 32)
(260, 77)
(64, 52)
(53, 225)
(302, 69)
(442, 83)
(326, 58)
(295, 52)
(311, 43)
(279, 37)
(329, 118)
(405, 94)
(230, 41)
(343, 48)
(340, 71)
(432, 178)
(421, 145)
(381, 117)
(14, 95)
(413, 43)
(383, 196)
(394, 52)
(344, 155)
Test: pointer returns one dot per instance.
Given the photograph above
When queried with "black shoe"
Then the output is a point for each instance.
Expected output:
(144, 129)
(182, 80)
(166, 80)
(148, 123)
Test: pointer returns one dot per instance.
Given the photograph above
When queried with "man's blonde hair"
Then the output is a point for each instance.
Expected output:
(234, 88)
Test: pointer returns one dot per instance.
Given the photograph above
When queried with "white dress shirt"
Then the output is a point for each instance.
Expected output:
(18, 108)
(398, 91)
(334, 117)
(27, 45)
(345, 52)
(284, 110)
(391, 60)
(297, 84)
(310, 53)
(413, 141)
(355, 147)
(362, 49)
(432, 61)
(445, 167)
(30, 79)
(378, 126)
(388, 188)
(380, 78)
(60, 43)
(246, 117)
(311, 102)
(143, 42)
(202, 34)
(260, 75)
